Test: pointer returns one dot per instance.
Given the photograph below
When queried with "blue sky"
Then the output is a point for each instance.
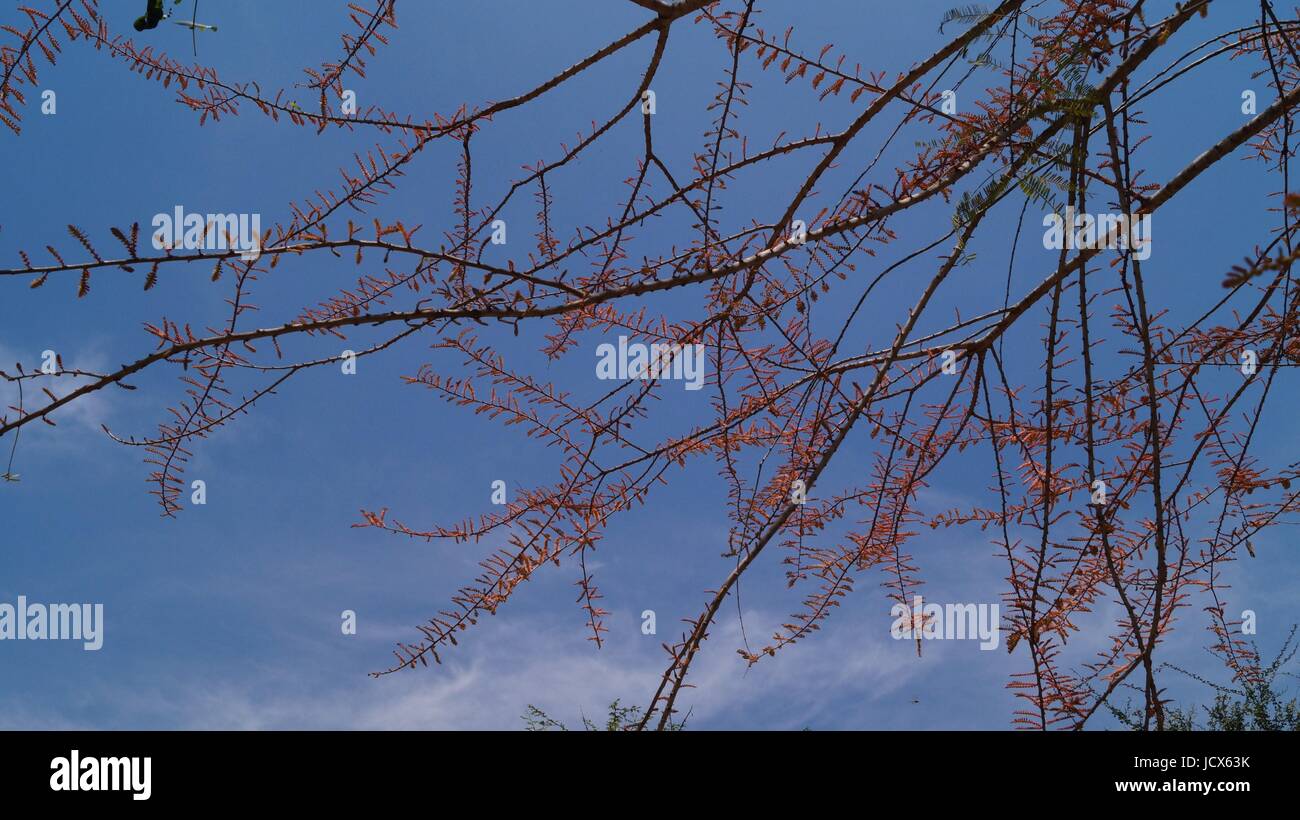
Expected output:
(228, 617)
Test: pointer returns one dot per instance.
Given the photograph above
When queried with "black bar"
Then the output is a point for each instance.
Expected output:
(976, 769)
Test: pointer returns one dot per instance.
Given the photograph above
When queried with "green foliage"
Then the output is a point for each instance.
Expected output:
(620, 718)
(986, 60)
(1038, 188)
(1257, 706)
(973, 204)
(1041, 187)
(966, 15)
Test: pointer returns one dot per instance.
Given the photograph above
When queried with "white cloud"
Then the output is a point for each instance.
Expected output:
(516, 665)
(83, 415)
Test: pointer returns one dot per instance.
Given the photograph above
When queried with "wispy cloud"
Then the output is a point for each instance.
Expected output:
(514, 668)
